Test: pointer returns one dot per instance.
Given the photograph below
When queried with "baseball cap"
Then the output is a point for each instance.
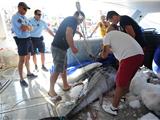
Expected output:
(110, 14)
(23, 4)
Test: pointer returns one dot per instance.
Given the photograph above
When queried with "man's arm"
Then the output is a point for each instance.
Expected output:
(107, 24)
(50, 32)
(95, 29)
(129, 29)
(69, 38)
(80, 34)
(105, 51)
(25, 28)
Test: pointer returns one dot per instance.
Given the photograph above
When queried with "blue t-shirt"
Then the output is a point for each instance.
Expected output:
(60, 37)
(126, 20)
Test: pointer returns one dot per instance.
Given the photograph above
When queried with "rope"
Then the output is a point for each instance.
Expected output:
(88, 49)
(81, 65)
(86, 45)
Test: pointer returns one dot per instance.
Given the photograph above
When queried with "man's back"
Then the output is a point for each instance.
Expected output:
(122, 44)
(60, 37)
(126, 20)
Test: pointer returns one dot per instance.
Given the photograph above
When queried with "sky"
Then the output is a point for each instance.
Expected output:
(61, 7)
(92, 8)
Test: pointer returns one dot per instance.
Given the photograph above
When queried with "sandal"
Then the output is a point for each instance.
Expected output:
(55, 98)
(31, 75)
(67, 89)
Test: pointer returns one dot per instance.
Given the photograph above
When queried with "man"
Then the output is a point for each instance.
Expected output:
(37, 38)
(128, 25)
(21, 29)
(103, 25)
(130, 56)
(62, 41)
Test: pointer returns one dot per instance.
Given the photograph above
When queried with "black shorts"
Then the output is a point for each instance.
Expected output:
(38, 44)
(24, 46)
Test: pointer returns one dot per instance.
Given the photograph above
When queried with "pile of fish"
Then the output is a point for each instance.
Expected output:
(93, 84)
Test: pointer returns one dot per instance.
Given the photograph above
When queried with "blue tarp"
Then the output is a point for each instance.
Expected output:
(156, 61)
(71, 69)
(110, 60)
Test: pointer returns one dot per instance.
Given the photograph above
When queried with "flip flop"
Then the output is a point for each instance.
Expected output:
(55, 98)
(67, 89)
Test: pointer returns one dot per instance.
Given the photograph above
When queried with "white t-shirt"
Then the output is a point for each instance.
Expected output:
(122, 44)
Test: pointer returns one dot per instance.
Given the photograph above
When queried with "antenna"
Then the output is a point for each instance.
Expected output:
(78, 6)
(84, 32)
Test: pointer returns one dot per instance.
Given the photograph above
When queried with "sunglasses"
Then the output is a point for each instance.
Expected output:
(39, 14)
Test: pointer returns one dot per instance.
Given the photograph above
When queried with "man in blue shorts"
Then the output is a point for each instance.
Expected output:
(62, 41)
(37, 38)
(21, 29)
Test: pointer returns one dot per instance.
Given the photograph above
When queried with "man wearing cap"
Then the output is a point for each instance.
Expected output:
(21, 29)
(37, 38)
(128, 25)
(62, 41)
